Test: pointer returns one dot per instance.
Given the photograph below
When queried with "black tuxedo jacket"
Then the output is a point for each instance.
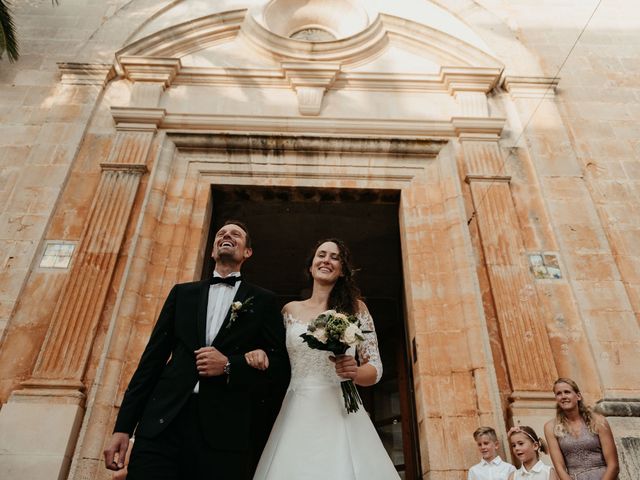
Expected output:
(237, 410)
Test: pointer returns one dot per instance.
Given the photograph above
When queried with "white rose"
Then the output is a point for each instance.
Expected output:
(351, 333)
(341, 316)
(237, 305)
(320, 334)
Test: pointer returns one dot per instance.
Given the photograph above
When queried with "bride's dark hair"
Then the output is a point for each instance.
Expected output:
(345, 294)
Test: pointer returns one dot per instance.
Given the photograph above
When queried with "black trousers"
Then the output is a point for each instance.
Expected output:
(180, 452)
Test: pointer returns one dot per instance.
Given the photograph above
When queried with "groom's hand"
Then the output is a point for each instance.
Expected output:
(115, 453)
(210, 362)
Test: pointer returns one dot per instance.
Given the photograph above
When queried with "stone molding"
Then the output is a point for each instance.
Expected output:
(85, 73)
(369, 42)
(185, 38)
(218, 76)
(56, 391)
(312, 68)
(310, 81)
(478, 128)
(290, 143)
(448, 80)
(487, 178)
(532, 399)
(137, 118)
(150, 69)
(618, 407)
(531, 87)
(357, 49)
(470, 79)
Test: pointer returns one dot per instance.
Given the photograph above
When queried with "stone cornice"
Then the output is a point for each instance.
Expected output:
(618, 407)
(531, 87)
(150, 69)
(187, 37)
(85, 73)
(137, 118)
(447, 49)
(222, 76)
(321, 125)
(478, 127)
(298, 143)
(468, 79)
(311, 74)
(449, 80)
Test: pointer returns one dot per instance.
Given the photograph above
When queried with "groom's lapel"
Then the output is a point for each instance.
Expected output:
(201, 321)
(241, 295)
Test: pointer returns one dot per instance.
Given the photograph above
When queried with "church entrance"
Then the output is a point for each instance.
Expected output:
(285, 223)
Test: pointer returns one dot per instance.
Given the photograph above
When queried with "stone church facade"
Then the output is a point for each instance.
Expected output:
(481, 157)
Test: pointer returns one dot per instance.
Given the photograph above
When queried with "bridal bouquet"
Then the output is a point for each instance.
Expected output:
(335, 332)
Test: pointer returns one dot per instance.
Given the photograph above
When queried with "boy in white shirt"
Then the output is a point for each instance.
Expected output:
(491, 467)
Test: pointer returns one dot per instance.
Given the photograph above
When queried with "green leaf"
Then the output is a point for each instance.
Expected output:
(8, 41)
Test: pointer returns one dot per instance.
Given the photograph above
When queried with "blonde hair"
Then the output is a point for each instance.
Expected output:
(533, 436)
(561, 427)
(488, 431)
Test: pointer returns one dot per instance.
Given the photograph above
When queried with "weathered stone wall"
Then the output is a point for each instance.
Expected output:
(41, 125)
(571, 154)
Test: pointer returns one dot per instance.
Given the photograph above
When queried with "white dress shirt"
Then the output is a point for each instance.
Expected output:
(220, 299)
(496, 469)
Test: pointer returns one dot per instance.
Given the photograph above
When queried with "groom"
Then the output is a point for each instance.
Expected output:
(198, 408)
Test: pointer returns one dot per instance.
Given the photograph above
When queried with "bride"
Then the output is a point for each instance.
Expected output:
(314, 438)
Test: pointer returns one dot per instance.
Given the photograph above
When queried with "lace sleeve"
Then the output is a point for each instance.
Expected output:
(368, 350)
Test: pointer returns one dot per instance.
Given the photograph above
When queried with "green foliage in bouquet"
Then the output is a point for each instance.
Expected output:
(336, 332)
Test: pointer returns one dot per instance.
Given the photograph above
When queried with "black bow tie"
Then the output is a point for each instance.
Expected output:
(231, 281)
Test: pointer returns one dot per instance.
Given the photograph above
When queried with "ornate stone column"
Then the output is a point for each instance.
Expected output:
(520, 314)
(47, 412)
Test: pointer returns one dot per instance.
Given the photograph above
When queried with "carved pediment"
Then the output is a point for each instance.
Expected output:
(271, 47)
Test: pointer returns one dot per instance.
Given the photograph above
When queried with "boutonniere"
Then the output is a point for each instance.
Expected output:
(237, 308)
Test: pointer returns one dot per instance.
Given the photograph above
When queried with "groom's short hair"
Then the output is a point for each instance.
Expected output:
(243, 226)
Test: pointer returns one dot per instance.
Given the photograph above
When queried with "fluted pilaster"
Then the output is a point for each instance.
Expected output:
(65, 352)
(520, 315)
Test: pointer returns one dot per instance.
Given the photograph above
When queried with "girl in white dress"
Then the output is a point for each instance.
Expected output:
(527, 446)
(314, 438)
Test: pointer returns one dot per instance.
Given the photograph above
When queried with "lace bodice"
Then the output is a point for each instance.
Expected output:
(583, 453)
(310, 366)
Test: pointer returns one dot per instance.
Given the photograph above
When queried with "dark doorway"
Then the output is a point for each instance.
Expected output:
(285, 224)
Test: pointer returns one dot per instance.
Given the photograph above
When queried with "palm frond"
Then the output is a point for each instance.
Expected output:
(8, 39)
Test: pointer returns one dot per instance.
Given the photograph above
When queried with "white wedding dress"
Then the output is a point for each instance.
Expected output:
(314, 438)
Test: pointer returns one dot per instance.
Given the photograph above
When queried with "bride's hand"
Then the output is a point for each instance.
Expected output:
(257, 359)
(346, 366)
